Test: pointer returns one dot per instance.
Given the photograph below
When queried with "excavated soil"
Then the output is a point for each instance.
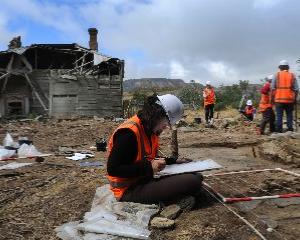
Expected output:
(35, 199)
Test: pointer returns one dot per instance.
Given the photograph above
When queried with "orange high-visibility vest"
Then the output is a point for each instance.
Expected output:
(265, 101)
(146, 152)
(249, 110)
(210, 97)
(284, 87)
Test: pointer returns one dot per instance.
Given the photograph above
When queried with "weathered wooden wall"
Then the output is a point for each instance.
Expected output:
(84, 96)
(87, 96)
(42, 77)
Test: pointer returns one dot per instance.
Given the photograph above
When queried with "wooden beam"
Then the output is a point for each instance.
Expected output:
(35, 92)
(27, 64)
(4, 75)
(9, 65)
(5, 82)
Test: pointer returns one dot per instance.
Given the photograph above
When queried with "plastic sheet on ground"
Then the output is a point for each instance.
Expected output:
(5, 153)
(26, 150)
(195, 166)
(14, 165)
(80, 156)
(9, 142)
(110, 220)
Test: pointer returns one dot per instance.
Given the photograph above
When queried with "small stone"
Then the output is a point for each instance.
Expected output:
(270, 229)
(171, 211)
(187, 203)
(162, 223)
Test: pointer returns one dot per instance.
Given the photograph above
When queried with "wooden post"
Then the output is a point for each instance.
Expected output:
(35, 58)
(174, 144)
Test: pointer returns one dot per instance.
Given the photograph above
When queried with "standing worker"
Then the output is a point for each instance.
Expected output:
(284, 92)
(209, 99)
(132, 156)
(266, 108)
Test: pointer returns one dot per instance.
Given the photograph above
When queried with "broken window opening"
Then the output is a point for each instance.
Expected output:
(15, 108)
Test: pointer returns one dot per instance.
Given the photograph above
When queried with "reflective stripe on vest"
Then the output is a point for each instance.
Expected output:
(284, 84)
(119, 185)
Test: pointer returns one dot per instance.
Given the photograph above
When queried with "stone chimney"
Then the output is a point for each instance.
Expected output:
(15, 43)
(93, 43)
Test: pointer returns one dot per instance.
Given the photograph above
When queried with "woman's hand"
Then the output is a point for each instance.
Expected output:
(183, 160)
(158, 164)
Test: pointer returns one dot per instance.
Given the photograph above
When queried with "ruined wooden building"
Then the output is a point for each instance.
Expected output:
(60, 80)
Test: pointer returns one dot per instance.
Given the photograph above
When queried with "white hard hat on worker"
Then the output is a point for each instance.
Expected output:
(249, 102)
(172, 106)
(283, 63)
(270, 78)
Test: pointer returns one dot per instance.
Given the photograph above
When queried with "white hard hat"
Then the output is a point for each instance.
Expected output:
(173, 107)
(208, 83)
(283, 62)
(270, 77)
(249, 103)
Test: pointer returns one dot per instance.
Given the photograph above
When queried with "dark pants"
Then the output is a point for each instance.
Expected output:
(166, 189)
(268, 117)
(280, 108)
(209, 112)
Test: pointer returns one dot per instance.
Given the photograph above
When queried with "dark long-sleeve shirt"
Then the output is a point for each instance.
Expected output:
(123, 154)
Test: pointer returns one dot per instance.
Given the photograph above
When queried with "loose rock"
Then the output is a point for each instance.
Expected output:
(162, 223)
(171, 211)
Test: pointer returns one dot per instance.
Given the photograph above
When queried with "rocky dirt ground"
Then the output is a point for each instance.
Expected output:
(37, 198)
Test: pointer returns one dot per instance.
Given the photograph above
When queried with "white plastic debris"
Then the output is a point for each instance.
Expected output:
(5, 153)
(109, 219)
(26, 150)
(14, 165)
(9, 142)
(80, 156)
(196, 166)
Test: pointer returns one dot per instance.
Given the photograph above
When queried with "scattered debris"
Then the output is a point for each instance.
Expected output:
(14, 165)
(80, 156)
(90, 164)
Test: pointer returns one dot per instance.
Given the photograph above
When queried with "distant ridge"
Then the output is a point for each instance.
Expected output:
(150, 83)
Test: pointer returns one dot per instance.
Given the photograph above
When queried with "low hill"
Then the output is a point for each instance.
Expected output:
(152, 83)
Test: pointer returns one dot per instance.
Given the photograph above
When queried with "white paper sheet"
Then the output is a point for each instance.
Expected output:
(195, 166)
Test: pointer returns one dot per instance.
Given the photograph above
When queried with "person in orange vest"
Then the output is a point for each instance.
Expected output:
(133, 156)
(284, 95)
(249, 111)
(209, 99)
(266, 108)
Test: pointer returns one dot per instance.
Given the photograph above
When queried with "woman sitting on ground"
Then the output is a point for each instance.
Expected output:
(133, 161)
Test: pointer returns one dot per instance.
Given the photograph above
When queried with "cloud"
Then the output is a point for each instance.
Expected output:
(215, 40)
(177, 70)
(220, 71)
(266, 3)
(59, 17)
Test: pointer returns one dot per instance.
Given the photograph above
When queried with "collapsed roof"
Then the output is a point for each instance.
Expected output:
(77, 59)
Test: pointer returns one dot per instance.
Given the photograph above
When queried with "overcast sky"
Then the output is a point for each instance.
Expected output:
(218, 40)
